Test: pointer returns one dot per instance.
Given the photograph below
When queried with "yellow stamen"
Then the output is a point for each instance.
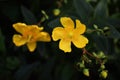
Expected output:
(29, 38)
(70, 34)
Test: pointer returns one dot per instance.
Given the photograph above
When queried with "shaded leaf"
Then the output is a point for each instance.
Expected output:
(102, 43)
(54, 23)
(28, 16)
(83, 9)
(114, 27)
(114, 32)
(101, 10)
(116, 15)
(114, 22)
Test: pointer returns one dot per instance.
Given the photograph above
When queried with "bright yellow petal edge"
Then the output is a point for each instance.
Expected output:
(67, 22)
(65, 45)
(31, 46)
(18, 40)
(19, 27)
(80, 28)
(58, 33)
(44, 37)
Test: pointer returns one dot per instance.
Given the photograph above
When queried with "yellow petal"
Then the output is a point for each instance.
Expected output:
(43, 36)
(65, 45)
(58, 33)
(40, 28)
(19, 27)
(80, 41)
(31, 46)
(18, 40)
(80, 28)
(67, 23)
(35, 28)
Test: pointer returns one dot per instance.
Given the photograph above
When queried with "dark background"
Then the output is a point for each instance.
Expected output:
(47, 62)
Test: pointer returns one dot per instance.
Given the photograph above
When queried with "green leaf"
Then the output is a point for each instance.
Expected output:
(102, 43)
(114, 22)
(113, 27)
(114, 32)
(54, 23)
(28, 16)
(101, 10)
(83, 8)
(116, 15)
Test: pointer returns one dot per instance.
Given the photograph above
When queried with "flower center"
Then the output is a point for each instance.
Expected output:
(30, 35)
(70, 34)
(30, 38)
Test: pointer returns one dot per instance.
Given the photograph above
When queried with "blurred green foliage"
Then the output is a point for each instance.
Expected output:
(102, 18)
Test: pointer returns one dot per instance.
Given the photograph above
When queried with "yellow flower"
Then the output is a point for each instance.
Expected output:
(68, 33)
(29, 34)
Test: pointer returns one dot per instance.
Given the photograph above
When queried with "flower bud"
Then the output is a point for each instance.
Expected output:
(56, 12)
(81, 65)
(86, 72)
(102, 67)
(104, 74)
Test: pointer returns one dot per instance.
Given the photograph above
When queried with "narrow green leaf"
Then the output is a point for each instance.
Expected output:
(116, 15)
(102, 43)
(29, 17)
(114, 32)
(83, 8)
(114, 22)
(101, 10)
(54, 23)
